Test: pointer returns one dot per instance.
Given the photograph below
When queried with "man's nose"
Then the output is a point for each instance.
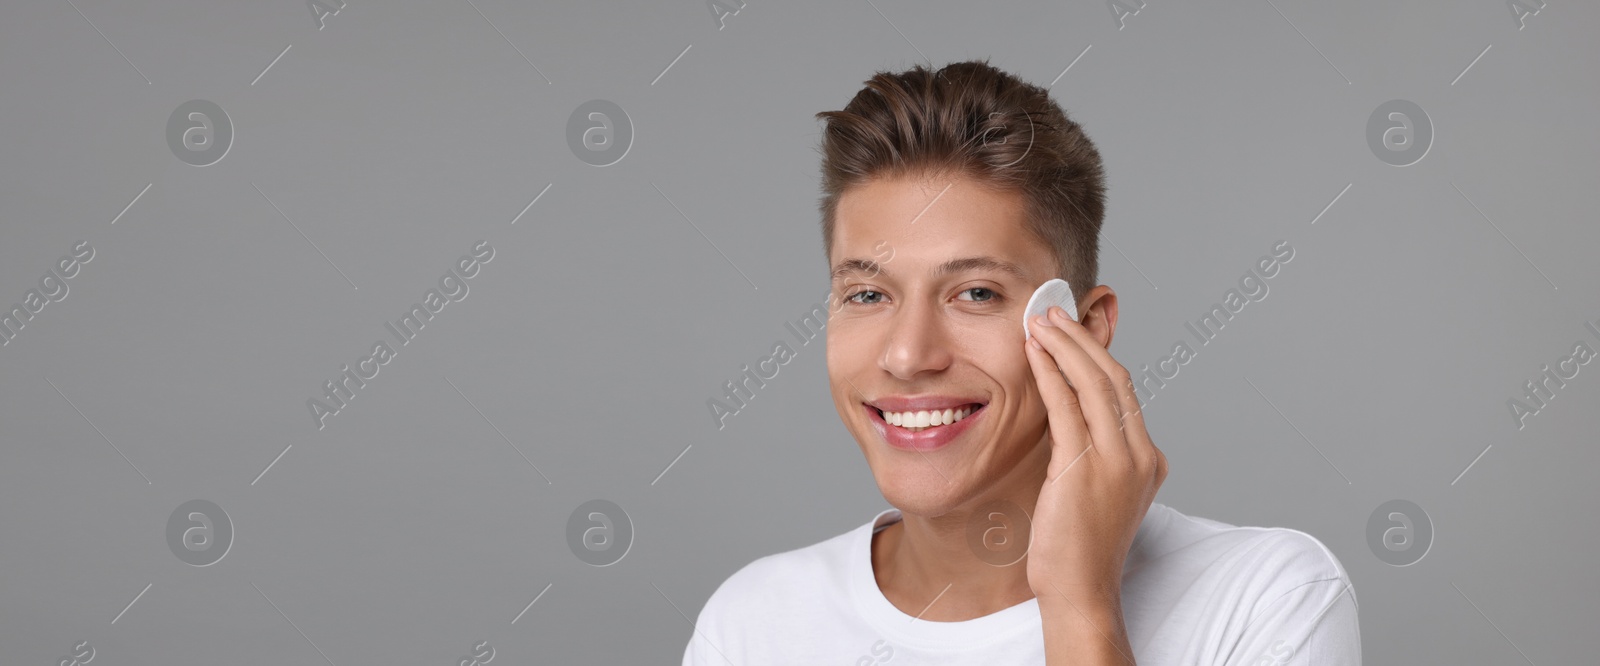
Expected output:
(917, 341)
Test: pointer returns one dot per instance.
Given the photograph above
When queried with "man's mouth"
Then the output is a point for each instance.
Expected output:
(917, 421)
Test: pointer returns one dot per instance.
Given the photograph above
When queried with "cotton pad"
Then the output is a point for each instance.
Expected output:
(1054, 292)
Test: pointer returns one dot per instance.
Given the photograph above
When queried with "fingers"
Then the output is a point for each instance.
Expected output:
(1132, 413)
(1131, 416)
(1095, 389)
(1061, 404)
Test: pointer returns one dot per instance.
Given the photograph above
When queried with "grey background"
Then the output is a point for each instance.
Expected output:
(409, 530)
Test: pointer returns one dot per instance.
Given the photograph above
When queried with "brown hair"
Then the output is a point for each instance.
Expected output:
(969, 118)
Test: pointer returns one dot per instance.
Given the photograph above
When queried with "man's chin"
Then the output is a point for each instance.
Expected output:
(919, 489)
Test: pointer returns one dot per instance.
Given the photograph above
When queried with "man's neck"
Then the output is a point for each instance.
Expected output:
(927, 569)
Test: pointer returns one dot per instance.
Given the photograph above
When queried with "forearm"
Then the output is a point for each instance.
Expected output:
(1084, 630)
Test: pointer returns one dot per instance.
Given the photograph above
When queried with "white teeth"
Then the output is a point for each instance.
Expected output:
(926, 419)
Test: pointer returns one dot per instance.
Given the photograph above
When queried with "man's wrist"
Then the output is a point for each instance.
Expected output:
(1096, 610)
(1090, 592)
(1084, 626)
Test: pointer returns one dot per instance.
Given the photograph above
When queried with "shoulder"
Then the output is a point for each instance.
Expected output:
(778, 584)
(1281, 550)
(1267, 593)
(780, 602)
(1257, 566)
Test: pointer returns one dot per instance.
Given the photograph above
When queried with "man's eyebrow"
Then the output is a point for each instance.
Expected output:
(857, 266)
(963, 265)
(969, 264)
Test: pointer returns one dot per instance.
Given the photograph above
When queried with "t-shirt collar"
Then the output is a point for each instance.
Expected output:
(908, 630)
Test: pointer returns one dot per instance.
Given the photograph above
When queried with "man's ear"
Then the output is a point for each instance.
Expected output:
(1098, 314)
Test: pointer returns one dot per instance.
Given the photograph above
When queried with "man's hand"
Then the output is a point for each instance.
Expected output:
(1103, 474)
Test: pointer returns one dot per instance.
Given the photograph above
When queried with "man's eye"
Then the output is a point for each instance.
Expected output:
(988, 294)
(856, 297)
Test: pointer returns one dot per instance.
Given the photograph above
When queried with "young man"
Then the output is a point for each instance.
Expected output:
(1023, 529)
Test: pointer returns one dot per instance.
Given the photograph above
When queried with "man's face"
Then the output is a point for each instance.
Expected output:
(916, 332)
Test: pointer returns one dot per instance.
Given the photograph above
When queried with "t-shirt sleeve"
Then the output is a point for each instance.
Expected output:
(1312, 623)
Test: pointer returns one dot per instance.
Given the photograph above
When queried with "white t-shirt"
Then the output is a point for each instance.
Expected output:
(1194, 591)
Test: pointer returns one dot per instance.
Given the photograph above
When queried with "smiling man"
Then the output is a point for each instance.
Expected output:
(1020, 473)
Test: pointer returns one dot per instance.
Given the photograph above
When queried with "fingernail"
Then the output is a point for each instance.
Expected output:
(1042, 321)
